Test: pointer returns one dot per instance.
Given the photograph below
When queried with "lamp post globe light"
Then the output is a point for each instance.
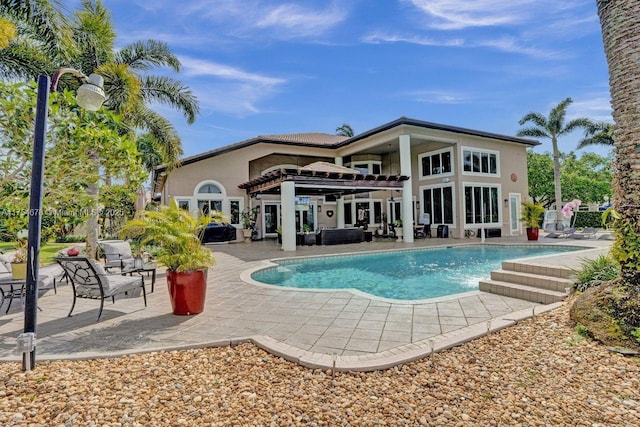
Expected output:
(90, 96)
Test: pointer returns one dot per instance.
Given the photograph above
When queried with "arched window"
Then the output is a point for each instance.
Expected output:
(209, 189)
(210, 196)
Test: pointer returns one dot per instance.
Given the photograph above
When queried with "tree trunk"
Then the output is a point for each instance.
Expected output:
(620, 21)
(557, 183)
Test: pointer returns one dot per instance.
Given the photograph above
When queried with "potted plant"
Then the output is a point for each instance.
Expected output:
(248, 219)
(19, 262)
(531, 216)
(397, 225)
(176, 234)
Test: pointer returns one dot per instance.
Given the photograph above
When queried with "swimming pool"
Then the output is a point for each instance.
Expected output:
(403, 275)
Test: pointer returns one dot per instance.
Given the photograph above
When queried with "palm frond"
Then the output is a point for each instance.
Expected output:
(173, 93)
(123, 87)
(162, 131)
(42, 20)
(534, 132)
(144, 55)
(581, 122)
(94, 36)
(23, 60)
(536, 118)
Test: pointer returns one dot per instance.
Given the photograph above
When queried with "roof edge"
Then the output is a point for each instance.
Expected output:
(436, 126)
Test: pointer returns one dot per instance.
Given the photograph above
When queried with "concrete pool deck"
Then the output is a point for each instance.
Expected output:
(318, 329)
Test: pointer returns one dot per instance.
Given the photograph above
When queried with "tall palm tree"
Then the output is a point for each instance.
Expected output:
(345, 130)
(620, 23)
(551, 128)
(599, 133)
(129, 89)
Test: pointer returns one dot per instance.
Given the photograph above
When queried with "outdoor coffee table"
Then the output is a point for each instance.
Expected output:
(149, 267)
(16, 289)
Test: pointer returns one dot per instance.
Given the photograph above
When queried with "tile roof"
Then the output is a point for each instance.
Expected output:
(305, 138)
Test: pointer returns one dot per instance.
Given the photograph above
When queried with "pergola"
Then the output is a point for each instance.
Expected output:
(315, 179)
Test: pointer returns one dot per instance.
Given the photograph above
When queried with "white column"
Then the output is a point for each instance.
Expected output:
(288, 211)
(407, 188)
(339, 202)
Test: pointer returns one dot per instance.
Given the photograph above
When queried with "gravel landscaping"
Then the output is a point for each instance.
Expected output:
(537, 373)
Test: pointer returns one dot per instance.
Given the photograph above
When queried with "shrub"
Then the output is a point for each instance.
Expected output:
(582, 330)
(596, 272)
(71, 238)
(590, 219)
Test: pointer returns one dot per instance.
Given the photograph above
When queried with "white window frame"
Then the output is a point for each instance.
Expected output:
(184, 199)
(434, 153)
(454, 208)
(483, 185)
(369, 164)
(480, 151)
(371, 202)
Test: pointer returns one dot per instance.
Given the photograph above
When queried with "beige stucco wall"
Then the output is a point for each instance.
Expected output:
(232, 168)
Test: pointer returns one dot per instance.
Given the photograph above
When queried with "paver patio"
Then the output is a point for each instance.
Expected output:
(315, 328)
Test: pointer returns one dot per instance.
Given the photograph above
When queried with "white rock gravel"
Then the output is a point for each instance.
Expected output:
(537, 373)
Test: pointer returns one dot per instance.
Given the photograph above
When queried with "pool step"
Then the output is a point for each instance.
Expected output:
(531, 282)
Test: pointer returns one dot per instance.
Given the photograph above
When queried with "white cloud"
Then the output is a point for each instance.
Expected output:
(193, 67)
(376, 38)
(280, 21)
(438, 96)
(228, 89)
(459, 14)
(295, 20)
(505, 44)
(596, 107)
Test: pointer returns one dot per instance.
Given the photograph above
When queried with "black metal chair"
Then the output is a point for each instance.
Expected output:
(89, 280)
(422, 233)
(116, 253)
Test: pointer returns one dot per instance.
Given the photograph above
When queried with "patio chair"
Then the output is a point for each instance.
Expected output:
(116, 254)
(561, 234)
(90, 280)
(587, 233)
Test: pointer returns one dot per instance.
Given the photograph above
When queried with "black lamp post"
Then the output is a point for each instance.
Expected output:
(90, 96)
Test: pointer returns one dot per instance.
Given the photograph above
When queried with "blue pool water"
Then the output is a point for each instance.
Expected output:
(402, 275)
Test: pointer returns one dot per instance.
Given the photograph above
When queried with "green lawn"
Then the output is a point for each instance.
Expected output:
(48, 251)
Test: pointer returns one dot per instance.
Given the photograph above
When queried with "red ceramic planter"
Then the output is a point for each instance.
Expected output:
(532, 233)
(187, 291)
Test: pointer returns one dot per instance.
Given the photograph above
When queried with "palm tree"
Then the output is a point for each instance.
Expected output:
(599, 133)
(129, 91)
(551, 128)
(345, 130)
(46, 41)
(619, 23)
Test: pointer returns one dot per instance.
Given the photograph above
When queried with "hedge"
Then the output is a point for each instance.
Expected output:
(589, 219)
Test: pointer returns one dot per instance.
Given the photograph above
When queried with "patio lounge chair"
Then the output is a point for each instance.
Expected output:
(587, 233)
(89, 280)
(116, 254)
(564, 233)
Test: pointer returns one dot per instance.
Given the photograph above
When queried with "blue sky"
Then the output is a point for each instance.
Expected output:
(270, 67)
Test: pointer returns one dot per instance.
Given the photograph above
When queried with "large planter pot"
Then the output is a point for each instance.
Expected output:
(19, 270)
(187, 291)
(532, 233)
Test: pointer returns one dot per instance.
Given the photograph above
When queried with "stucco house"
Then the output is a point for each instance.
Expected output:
(409, 170)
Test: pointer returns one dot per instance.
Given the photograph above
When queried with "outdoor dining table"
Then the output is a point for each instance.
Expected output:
(15, 288)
